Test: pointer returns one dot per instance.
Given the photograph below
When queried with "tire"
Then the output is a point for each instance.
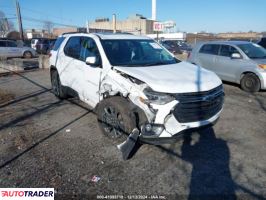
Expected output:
(27, 54)
(250, 83)
(57, 88)
(115, 119)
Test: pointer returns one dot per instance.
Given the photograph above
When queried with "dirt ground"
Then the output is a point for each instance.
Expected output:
(46, 142)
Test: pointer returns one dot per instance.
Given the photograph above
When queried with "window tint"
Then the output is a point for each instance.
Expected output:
(2, 43)
(73, 47)
(58, 42)
(88, 48)
(263, 42)
(210, 49)
(11, 44)
(227, 50)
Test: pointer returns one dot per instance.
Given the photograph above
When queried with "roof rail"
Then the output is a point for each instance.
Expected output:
(72, 33)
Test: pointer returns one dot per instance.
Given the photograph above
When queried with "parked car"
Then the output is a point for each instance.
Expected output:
(44, 45)
(132, 82)
(171, 46)
(262, 42)
(34, 42)
(183, 46)
(239, 62)
(9, 48)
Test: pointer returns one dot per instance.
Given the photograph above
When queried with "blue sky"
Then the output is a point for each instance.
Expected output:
(189, 15)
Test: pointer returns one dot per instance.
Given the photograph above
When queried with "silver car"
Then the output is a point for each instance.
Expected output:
(9, 49)
(234, 61)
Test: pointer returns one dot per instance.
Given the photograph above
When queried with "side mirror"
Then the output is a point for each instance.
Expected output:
(92, 60)
(236, 56)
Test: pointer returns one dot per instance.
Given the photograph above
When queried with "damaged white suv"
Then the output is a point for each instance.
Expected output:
(133, 82)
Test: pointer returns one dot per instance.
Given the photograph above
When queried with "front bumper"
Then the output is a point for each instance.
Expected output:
(187, 113)
(262, 76)
(180, 130)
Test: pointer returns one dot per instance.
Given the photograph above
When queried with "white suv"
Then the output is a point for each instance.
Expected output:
(133, 82)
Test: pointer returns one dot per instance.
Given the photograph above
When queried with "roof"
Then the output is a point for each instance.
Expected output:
(121, 36)
(227, 42)
(113, 36)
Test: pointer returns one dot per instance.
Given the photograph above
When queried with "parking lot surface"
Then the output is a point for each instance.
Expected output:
(46, 142)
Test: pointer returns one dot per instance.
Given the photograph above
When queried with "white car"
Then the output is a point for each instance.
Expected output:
(133, 82)
(10, 49)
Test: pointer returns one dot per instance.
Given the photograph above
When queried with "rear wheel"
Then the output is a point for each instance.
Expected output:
(115, 119)
(27, 54)
(250, 83)
(57, 88)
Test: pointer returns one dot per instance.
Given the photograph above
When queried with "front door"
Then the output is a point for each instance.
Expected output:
(226, 66)
(75, 73)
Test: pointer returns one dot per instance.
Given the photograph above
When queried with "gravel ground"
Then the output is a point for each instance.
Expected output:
(45, 142)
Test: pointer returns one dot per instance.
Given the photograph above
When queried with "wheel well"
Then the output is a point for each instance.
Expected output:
(52, 68)
(27, 51)
(248, 72)
(138, 112)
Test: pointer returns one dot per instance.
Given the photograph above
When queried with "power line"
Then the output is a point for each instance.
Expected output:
(45, 14)
(44, 21)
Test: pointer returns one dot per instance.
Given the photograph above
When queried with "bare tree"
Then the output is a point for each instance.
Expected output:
(48, 25)
(5, 25)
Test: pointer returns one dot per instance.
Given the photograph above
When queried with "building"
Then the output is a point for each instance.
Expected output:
(240, 35)
(135, 24)
(36, 33)
(61, 30)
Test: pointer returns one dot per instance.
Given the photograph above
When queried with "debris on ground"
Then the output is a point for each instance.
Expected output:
(5, 96)
(68, 130)
(130, 146)
(95, 179)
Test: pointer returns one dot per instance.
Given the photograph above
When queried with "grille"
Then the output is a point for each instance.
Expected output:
(198, 106)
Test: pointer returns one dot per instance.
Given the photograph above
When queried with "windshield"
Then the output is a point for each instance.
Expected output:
(253, 50)
(136, 53)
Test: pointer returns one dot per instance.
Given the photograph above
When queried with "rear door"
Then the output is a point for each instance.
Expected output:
(207, 56)
(226, 67)
(3, 49)
(13, 49)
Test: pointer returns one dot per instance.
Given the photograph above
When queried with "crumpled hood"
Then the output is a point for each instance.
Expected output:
(182, 77)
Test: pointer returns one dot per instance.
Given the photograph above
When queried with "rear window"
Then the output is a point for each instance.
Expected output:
(58, 42)
(212, 49)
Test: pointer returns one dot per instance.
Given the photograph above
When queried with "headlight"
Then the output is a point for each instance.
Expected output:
(157, 97)
(262, 66)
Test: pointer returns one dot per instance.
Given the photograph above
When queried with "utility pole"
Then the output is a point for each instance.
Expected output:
(114, 23)
(19, 21)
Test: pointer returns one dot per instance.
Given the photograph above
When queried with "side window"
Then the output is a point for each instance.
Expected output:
(58, 42)
(212, 49)
(11, 44)
(2, 43)
(73, 47)
(88, 48)
(227, 50)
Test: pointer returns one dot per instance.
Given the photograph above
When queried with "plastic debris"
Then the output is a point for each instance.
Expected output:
(68, 130)
(250, 101)
(95, 179)
(130, 146)
(102, 162)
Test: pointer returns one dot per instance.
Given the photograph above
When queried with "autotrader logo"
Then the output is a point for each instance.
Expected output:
(27, 193)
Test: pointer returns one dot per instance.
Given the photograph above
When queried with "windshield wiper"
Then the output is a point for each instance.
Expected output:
(156, 63)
